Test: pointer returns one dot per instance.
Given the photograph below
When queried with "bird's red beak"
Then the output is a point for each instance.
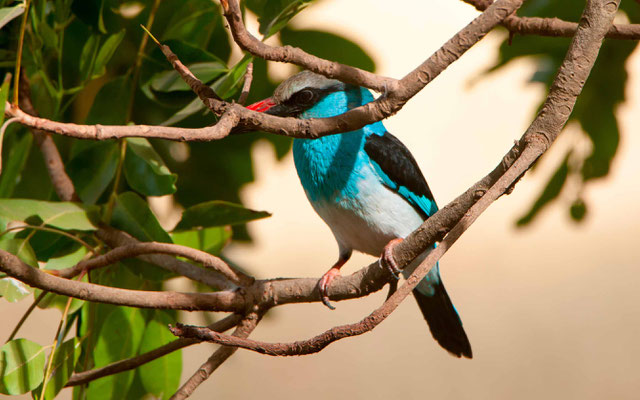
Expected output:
(263, 105)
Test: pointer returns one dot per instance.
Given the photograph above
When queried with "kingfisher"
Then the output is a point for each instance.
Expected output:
(369, 190)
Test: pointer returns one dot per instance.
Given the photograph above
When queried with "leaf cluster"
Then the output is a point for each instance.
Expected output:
(90, 62)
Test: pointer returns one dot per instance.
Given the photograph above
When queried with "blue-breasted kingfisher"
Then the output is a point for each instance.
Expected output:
(368, 188)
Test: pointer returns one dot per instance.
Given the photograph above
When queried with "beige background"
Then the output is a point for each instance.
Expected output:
(552, 311)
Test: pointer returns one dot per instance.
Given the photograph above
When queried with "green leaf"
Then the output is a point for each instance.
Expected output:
(578, 210)
(105, 53)
(226, 86)
(63, 215)
(88, 56)
(603, 92)
(157, 66)
(550, 192)
(48, 36)
(119, 338)
(160, 377)
(9, 13)
(211, 240)
(170, 81)
(64, 362)
(330, 46)
(111, 104)
(217, 213)
(68, 259)
(193, 22)
(4, 94)
(145, 170)
(275, 14)
(21, 366)
(16, 149)
(223, 87)
(93, 169)
(133, 215)
(12, 289)
(21, 248)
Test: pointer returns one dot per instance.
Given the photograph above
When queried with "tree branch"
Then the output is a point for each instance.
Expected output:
(573, 73)
(136, 249)
(219, 301)
(244, 329)
(134, 362)
(555, 27)
(116, 238)
(106, 132)
(55, 167)
(397, 94)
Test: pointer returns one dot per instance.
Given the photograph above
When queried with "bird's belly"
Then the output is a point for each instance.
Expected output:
(367, 221)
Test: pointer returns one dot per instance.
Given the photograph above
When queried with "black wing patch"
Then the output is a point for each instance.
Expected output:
(395, 160)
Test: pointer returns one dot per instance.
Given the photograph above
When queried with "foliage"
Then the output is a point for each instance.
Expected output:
(603, 92)
(84, 63)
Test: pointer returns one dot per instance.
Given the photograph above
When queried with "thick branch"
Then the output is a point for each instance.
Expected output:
(141, 248)
(244, 329)
(219, 301)
(134, 362)
(574, 71)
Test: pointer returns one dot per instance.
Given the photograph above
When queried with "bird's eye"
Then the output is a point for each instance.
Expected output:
(304, 97)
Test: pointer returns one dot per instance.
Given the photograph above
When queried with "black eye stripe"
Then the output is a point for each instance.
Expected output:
(306, 97)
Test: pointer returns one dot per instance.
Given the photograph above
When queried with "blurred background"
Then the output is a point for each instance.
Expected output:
(552, 309)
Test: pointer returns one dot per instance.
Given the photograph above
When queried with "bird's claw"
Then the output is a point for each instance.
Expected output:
(323, 286)
(389, 261)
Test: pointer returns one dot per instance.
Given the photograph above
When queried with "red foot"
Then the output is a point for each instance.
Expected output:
(325, 281)
(387, 258)
(323, 285)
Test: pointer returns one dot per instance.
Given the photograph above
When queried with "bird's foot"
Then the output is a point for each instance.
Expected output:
(323, 285)
(387, 258)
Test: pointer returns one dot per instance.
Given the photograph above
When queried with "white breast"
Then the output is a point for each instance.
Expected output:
(369, 221)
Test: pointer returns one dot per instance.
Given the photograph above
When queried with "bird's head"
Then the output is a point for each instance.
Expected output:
(309, 95)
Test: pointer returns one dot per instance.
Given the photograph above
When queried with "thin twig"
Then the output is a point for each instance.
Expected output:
(26, 315)
(555, 27)
(55, 167)
(80, 378)
(244, 329)
(23, 27)
(137, 249)
(106, 132)
(116, 238)
(246, 86)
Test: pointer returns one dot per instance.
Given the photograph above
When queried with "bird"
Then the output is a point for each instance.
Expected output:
(368, 188)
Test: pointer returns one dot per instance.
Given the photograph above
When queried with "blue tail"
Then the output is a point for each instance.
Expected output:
(442, 317)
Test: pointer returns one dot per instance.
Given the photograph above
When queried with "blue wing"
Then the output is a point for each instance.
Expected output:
(400, 172)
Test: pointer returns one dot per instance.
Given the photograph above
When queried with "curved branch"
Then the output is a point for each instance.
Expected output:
(80, 378)
(288, 54)
(219, 301)
(244, 329)
(573, 73)
(137, 249)
(116, 238)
